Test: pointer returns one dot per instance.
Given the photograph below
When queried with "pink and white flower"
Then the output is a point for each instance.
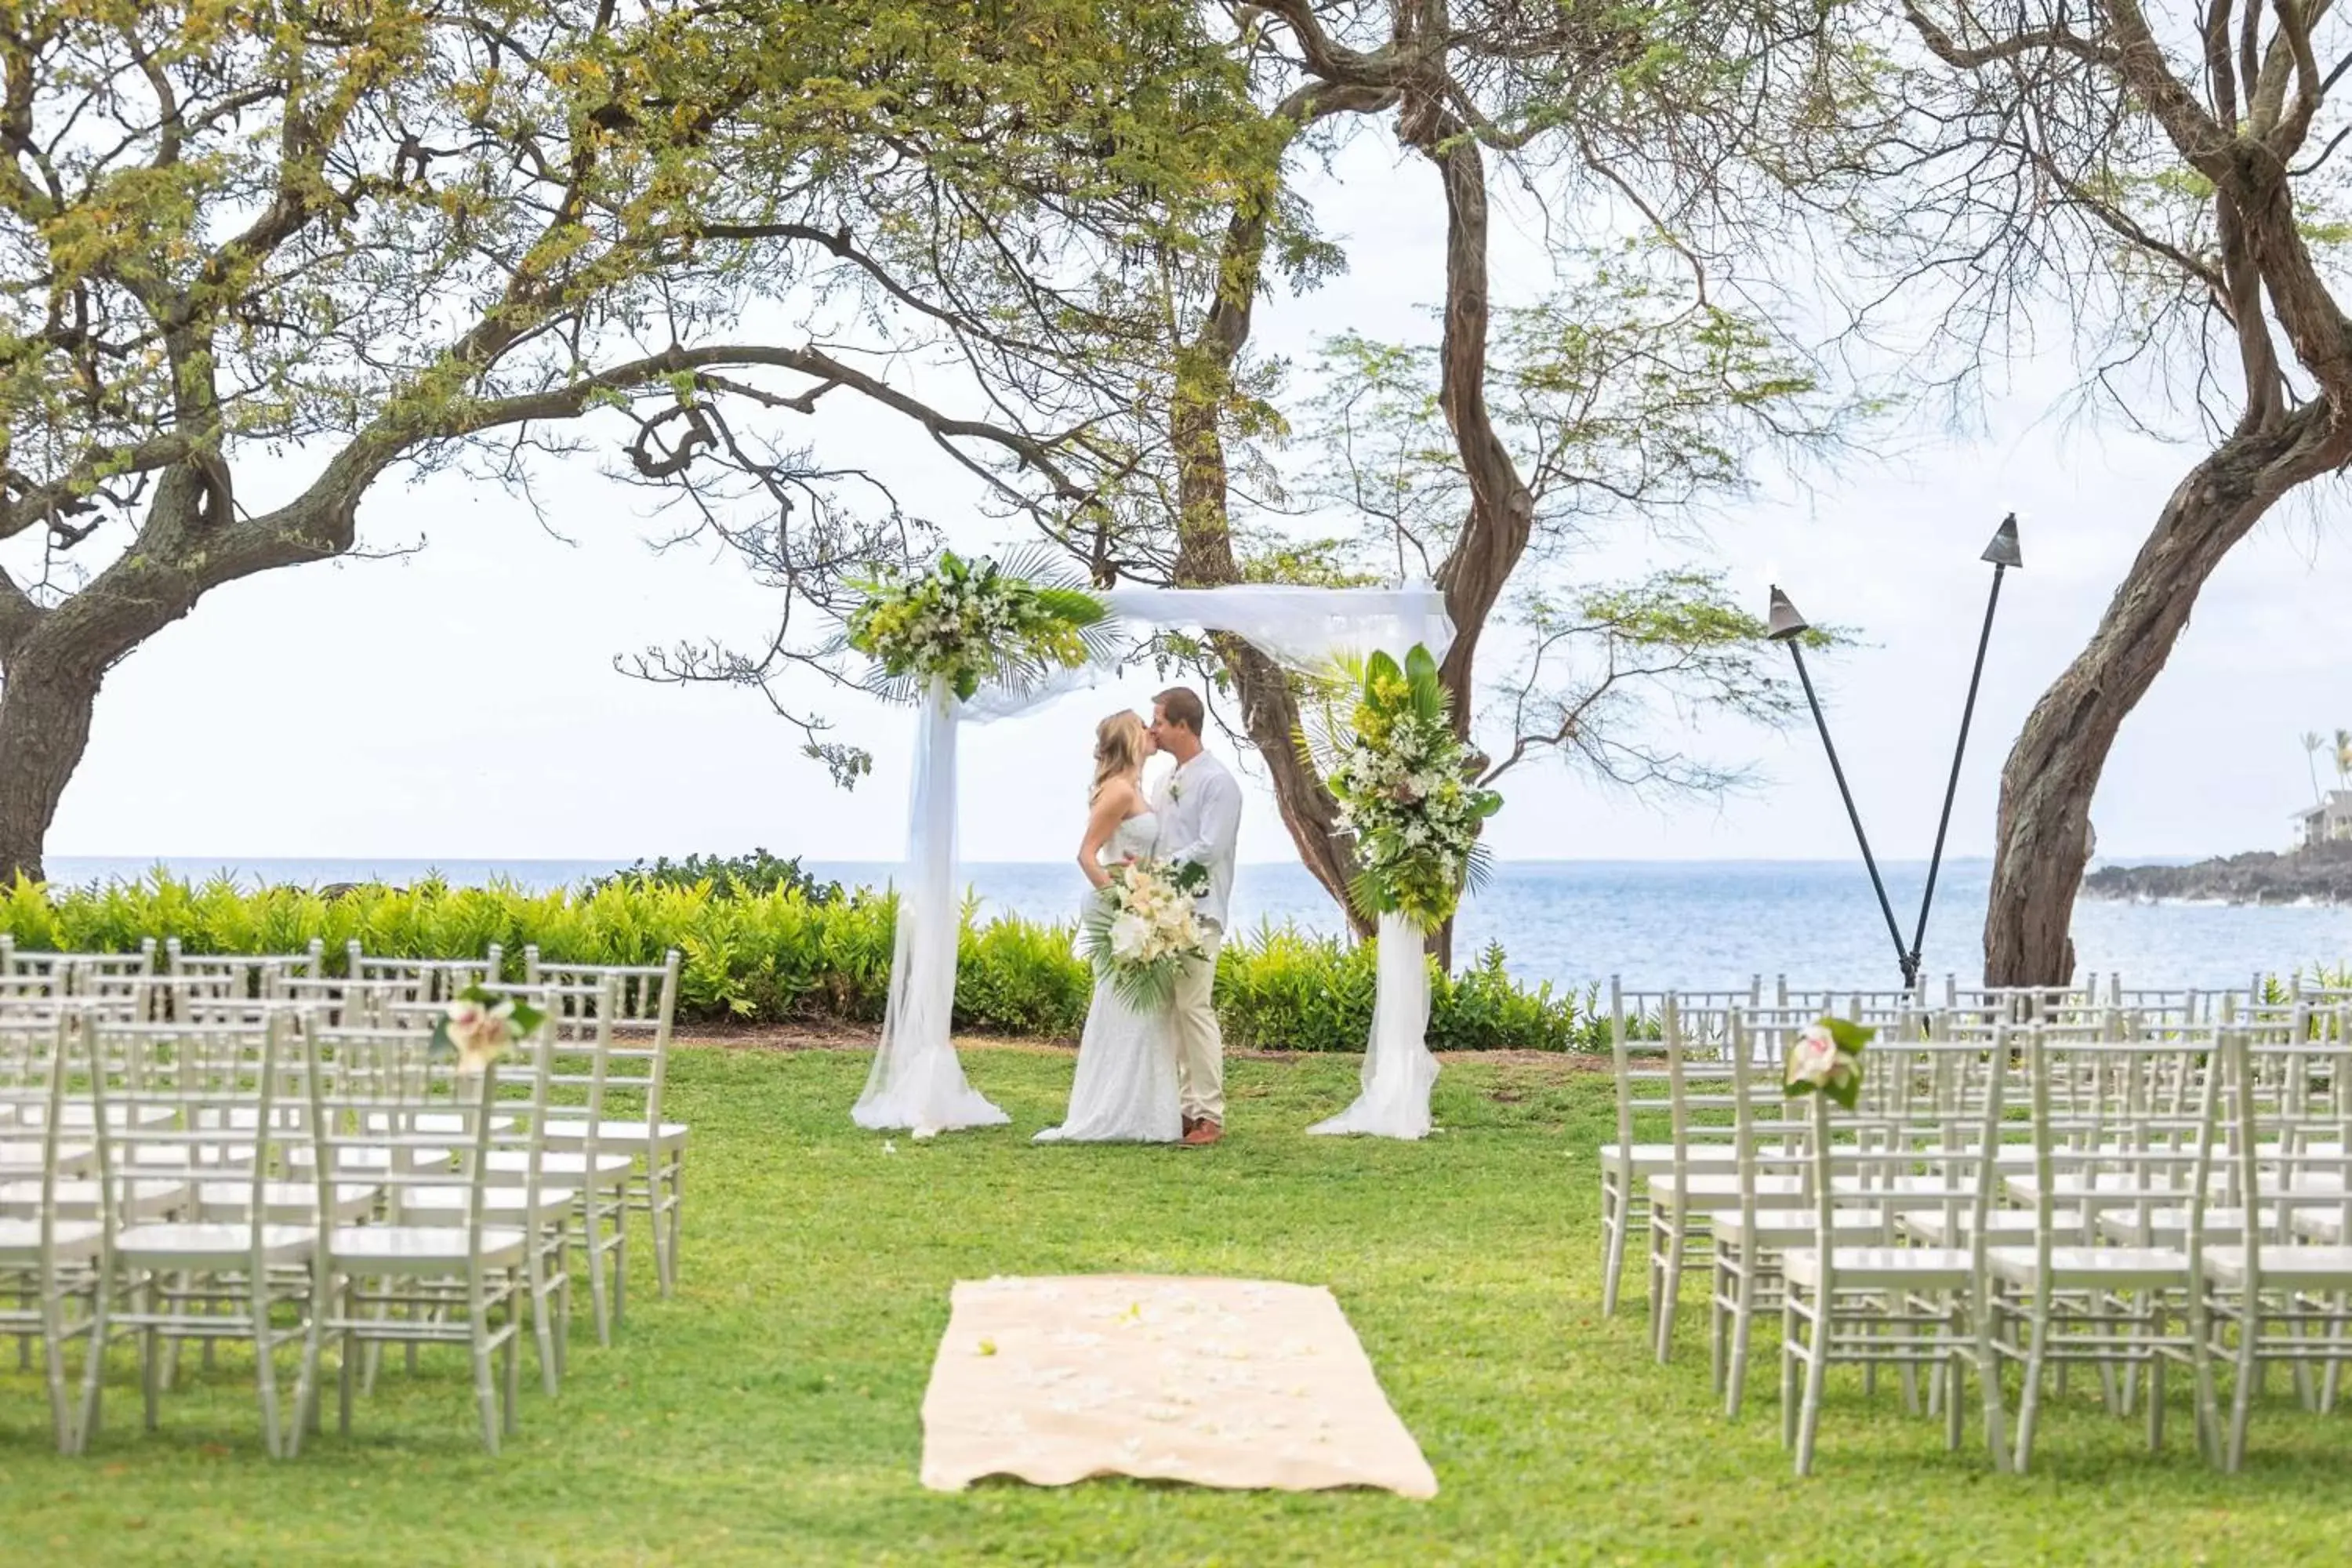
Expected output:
(481, 1032)
(1815, 1058)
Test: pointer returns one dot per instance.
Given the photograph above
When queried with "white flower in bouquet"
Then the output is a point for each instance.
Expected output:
(1130, 935)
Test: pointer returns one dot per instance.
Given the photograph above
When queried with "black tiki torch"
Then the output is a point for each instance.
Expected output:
(2003, 553)
(1788, 628)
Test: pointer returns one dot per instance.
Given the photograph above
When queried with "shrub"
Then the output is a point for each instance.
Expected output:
(780, 953)
(729, 876)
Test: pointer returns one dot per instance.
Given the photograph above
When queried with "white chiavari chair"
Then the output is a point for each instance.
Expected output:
(2282, 1292)
(1748, 1236)
(2059, 1297)
(51, 1261)
(634, 1071)
(1698, 1175)
(395, 1279)
(524, 1117)
(235, 1098)
(1876, 1305)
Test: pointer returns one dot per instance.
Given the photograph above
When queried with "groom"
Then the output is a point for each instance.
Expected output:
(1200, 807)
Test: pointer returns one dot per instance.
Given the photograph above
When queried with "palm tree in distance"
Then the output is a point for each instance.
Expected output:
(2344, 757)
(2312, 742)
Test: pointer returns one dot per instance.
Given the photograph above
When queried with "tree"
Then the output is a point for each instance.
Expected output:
(1641, 387)
(372, 236)
(1683, 123)
(2168, 181)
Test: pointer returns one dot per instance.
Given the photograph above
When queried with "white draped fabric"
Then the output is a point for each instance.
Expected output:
(1399, 1071)
(917, 1083)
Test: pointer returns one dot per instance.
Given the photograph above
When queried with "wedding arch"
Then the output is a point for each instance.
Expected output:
(918, 1081)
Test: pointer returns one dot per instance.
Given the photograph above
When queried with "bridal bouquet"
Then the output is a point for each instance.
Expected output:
(975, 623)
(1143, 929)
(1827, 1059)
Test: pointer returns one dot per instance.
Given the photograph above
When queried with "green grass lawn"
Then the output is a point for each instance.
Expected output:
(769, 1412)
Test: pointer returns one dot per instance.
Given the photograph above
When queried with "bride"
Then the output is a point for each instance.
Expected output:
(1126, 1086)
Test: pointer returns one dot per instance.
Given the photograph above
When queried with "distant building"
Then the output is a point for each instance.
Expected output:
(2329, 821)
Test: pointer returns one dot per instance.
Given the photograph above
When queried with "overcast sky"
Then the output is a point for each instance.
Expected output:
(461, 703)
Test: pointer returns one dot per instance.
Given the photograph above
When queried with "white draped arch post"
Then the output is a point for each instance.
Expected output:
(917, 1083)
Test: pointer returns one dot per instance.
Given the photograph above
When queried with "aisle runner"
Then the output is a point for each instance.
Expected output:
(1223, 1383)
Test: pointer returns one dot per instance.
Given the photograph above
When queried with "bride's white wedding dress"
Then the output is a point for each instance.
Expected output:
(1125, 1092)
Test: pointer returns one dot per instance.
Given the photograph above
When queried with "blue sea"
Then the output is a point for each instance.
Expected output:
(1681, 924)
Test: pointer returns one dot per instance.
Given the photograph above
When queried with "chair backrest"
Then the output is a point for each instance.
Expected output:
(243, 975)
(34, 1077)
(223, 1104)
(423, 979)
(19, 962)
(386, 1102)
(1858, 1143)
(2285, 1132)
(633, 1023)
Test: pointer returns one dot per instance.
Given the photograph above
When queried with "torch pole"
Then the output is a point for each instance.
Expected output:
(1952, 786)
(1893, 931)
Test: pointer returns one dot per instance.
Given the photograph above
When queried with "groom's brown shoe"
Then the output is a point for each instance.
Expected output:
(1190, 1122)
(1203, 1133)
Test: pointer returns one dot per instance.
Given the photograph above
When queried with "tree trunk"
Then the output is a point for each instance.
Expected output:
(2042, 839)
(1205, 551)
(44, 709)
(53, 660)
(1501, 508)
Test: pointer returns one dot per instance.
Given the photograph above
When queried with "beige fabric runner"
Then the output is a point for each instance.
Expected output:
(1222, 1383)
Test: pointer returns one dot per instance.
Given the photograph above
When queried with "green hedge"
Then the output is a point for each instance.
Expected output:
(777, 955)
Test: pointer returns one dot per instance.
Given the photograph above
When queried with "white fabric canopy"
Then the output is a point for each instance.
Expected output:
(917, 1083)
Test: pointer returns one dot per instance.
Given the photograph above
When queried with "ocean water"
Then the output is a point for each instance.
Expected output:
(1682, 924)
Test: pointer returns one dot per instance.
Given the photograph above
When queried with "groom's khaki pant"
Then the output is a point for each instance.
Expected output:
(1199, 1045)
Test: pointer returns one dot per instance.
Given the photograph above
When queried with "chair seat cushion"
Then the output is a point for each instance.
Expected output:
(1714, 1188)
(1784, 1227)
(2111, 1267)
(1863, 1266)
(666, 1134)
(77, 1198)
(21, 1238)
(441, 1206)
(216, 1242)
(2300, 1266)
(1932, 1227)
(296, 1202)
(611, 1170)
(410, 1247)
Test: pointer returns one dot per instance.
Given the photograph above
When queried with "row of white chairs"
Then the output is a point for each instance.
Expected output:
(2069, 1184)
(186, 1159)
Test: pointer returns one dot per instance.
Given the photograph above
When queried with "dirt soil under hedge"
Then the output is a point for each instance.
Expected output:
(821, 1035)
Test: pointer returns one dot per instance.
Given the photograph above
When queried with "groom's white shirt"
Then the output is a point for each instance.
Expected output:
(1200, 807)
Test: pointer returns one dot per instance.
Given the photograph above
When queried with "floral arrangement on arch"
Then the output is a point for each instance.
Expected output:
(975, 623)
(1407, 797)
(1144, 927)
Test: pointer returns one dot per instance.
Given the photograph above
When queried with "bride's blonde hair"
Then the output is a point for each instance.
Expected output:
(1118, 749)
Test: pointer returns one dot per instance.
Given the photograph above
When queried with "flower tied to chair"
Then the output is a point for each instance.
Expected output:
(1826, 1060)
(479, 1026)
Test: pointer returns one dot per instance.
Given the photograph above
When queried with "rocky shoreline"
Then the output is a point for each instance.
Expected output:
(2317, 876)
